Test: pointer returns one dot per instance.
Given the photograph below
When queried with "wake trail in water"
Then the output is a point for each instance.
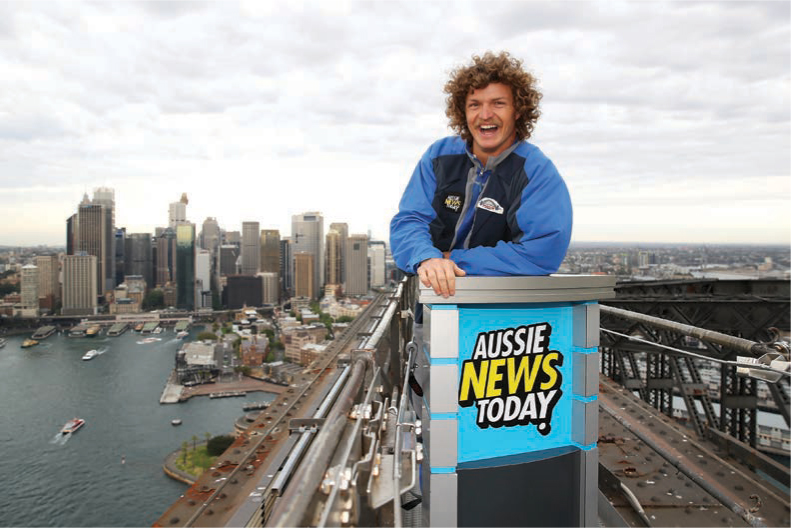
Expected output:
(60, 439)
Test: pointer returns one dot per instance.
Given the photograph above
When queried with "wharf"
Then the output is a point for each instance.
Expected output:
(227, 394)
(117, 329)
(149, 327)
(181, 326)
(78, 331)
(43, 332)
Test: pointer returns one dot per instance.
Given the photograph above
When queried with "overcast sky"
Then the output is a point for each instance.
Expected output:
(669, 121)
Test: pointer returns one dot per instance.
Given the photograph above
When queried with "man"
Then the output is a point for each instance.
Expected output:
(484, 202)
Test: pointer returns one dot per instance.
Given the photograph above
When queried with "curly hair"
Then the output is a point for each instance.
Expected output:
(491, 68)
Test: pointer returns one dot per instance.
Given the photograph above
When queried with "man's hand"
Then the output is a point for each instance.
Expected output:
(440, 274)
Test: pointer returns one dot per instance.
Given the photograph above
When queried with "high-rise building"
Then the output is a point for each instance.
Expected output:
(210, 236)
(286, 268)
(185, 266)
(270, 282)
(29, 290)
(71, 234)
(92, 238)
(376, 259)
(202, 278)
(232, 237)
(356, 265)
(333, 258)
(105, 197)
(79, 285)
(120, 255)
(228, 255)
(304, 275)
(251, 248)
(138, 258)
(270, 251)
(48, 286)
(166, 258)
(242, 290)
(307, 235)
(177, 212)
(343, 230)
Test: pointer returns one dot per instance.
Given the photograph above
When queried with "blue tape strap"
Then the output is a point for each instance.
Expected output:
(585, 399)
(443, 470)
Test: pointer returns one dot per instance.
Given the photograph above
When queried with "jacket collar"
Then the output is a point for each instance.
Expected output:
(493, 161)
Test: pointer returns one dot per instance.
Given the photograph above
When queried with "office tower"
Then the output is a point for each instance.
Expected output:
(202, 278)
(356, 265)
(270, 251)
(185, 266)
(343, 230)
(270, 283)
(333, 258)
(29, 290)
(105, 197)
(120, 255)
(92, 238)
(233, 237)
(304, 275)
(166, 258)
(71, 234)
(286, 268)
(227, 257)
(242, 291)
(307, 235)
(210, 235)
(79, 285)
(376, 259)
(138, 257)
(177, 212)
(251, 248)
(48, 286)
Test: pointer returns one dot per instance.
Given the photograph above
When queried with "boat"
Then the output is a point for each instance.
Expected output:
(72, 425)
(2, 342)
(27, 343)
(175, 422)
(43, 332)
(93, 331)
(90, 355)
(157, 330)
(182, 334)
(149, 340)
(138, 327)
(117, 329)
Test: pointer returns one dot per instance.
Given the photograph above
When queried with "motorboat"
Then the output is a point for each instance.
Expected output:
(149, 340)
(27, 343)
(182, 334)
(3, 341)
(90, 355)
(72, 425)
(175, 422)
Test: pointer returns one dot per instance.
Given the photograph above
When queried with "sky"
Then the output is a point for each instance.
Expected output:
(669, 121)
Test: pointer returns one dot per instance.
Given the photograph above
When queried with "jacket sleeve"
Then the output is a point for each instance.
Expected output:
(410, 239)
(544, 218)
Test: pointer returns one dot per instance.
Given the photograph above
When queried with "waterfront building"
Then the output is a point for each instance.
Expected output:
(304, 275)
(197, 362)
(29, 291)
(79, 285)
(376, 258)
(342, 228)
(48, 283)
(333, 257)
(138, 257)
(270, 283)
(185, 266)
(356, 265)
(307, 234)
(251, 249)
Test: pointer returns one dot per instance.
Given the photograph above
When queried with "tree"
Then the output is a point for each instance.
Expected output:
(184, 448)
(211, 336)
(208, 437)
(154, 300)
(217, 445)
(345, 319)
(194, 442)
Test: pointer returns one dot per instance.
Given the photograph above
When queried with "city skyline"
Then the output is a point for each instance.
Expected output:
(665, 126)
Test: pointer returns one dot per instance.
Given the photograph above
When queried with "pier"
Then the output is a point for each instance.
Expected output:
(43, 332)
(117, 329)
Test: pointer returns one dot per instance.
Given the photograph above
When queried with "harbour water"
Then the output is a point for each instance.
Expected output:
(83, 481)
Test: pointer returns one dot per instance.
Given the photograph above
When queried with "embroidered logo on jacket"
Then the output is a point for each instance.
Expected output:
(453, 202)
(488, 204)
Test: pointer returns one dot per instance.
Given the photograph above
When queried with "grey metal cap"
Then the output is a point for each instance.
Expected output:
(522, 289)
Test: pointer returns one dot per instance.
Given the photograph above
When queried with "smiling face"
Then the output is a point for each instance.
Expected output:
(491, 119)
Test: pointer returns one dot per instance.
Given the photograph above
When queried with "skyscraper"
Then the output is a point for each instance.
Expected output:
(228, 254)
(202, 278)
(92, 238)
(166, 258)
(210, 235)
(376, 259)
(29, 290)
(79, 285)
(286, 268)
(343, 230)
(356, 265)
(304, 275)
(48, 286)
(177, 212)
(251, 248)
(71, 234)
(333, 258)
(270, 283)
(185, 266)
(138, 258)
(307, 234)
(105, 197)
(270, 251)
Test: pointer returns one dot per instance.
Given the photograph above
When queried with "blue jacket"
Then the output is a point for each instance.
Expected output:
(511, 217)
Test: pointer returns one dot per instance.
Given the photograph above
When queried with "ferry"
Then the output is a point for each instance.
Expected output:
(157, 330)
(93, 331)
(27, 343)
(72, 426)
(149, 340)
(138, 327)
(44, 332)
(90, 355)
